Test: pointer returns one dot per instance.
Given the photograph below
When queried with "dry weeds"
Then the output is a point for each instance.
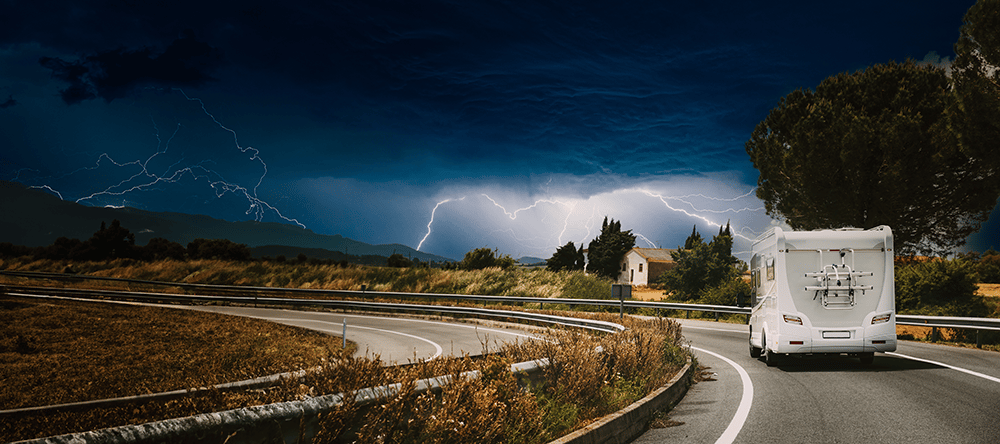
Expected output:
(510, 282)
(579, 386)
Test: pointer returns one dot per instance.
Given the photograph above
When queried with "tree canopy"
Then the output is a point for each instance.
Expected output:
(480, 258)
(876, 147)
(566, 257)
(700, 266)
(605, 252)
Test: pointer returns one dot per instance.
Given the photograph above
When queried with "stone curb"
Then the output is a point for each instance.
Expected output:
(627, 424)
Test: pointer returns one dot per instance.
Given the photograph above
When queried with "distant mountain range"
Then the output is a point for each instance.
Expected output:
(528, 260)
(35, 218)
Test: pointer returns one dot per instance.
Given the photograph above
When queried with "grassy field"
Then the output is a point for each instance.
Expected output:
(537, 283)
(58, 351)
(63, 351)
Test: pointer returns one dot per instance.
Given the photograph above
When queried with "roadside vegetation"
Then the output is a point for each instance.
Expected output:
(512, 281)
(64, 351)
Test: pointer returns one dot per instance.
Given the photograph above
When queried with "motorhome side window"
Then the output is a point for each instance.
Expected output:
(755, 271)
(770, 268)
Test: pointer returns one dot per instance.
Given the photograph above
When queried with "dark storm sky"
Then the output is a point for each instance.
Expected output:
(515, 125)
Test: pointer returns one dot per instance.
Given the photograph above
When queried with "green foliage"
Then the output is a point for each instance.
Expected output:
(160, 249)
(700, 266)
(399, 261)
(112, 242)
(566, 257)
(558, 417)
(728, 292)
(986, 266)
(939, 287)
(605, 252)
(586, 286)
(481, 258)
(977, 86)
(222, 249)
(881, 146)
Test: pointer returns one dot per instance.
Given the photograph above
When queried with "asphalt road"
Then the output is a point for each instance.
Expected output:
(395, 340)
(922, 393)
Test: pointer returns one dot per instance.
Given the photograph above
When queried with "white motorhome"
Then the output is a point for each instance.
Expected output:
(823, 292)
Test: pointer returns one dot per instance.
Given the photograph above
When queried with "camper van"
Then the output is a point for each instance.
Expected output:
(822, 292)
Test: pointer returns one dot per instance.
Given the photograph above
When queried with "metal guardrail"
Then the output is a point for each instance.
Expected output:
(590, 324)
(977, 324)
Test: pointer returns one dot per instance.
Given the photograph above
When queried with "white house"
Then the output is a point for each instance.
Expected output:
(640, 266)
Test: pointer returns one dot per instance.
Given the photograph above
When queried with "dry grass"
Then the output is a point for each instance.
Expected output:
(511, 282)
(644, 293)
(120, 350)
(989, 290)
(56, 351)
(579, 386)
(141, 350)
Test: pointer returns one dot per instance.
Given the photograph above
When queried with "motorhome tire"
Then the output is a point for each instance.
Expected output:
(754, 352)
(770, 357)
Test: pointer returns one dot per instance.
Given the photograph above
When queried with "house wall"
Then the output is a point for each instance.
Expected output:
(637, 271)
(631, 273)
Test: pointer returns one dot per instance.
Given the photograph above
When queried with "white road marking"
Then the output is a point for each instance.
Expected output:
(727, 330)
(475, 327)
(986, 377)
(437, 348)
(743, 411)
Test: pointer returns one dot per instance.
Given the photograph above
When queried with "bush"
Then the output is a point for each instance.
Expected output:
(727, 293)
(940, 288)
(399, 261)
(586, 286)
(481, 258)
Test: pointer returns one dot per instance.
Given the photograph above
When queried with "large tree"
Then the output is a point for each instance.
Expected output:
(976, 79)
(700, 266)
(605, 252)
(566, 257)
(876, 147)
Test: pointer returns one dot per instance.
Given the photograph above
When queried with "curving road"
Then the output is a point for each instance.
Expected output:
(395, 340)
(921, 393)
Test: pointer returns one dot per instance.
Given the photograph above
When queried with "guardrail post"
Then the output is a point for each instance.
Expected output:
(934, 334)
(344, 346)
(621, 304)
(979, 341)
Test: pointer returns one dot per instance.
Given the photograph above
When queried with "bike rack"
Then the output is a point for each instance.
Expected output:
(831, 282)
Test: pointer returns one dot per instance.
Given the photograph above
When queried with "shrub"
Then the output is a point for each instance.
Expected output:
(586, 286)
(481, 258)
(729, 292)
(939, 287)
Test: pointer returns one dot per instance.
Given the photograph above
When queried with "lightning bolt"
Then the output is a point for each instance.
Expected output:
(664, 199)
(49, 189)
(683, 204)
(513, 216)
(145, 179)
(644, 238)
(431, 222)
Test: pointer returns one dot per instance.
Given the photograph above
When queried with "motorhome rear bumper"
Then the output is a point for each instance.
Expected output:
(836, 340)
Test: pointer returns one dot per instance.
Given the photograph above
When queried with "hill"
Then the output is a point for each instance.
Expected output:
(528, 260)
(36, 218)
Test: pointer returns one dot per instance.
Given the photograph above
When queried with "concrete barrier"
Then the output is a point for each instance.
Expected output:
(293, 421)
(298, 421)
(627, 424)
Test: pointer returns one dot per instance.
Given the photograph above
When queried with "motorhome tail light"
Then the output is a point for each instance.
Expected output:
(796, 342)
(878, 342)
(881, 318)
(792, 319)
